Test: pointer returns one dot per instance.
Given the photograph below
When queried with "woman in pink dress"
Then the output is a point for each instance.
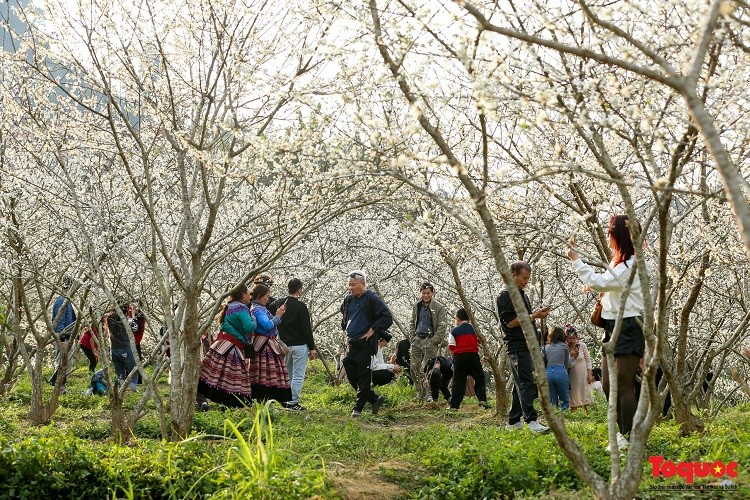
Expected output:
(581, 373)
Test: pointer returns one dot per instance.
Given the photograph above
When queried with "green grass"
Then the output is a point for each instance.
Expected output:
(406, 451)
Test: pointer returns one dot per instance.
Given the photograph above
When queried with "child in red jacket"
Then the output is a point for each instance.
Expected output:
(464, 345)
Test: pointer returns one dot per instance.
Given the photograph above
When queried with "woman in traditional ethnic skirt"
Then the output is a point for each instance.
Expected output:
(225, 377)
(268, 367)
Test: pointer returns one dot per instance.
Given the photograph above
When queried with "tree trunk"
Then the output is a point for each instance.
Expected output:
(40, 412)
(37, 414)
(689, 423)
(120, 430)
(10, 376)
(186, 362)
(501, 392)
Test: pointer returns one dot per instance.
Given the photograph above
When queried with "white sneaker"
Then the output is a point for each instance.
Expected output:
(514, 427)
(622, 443)
(538, 428)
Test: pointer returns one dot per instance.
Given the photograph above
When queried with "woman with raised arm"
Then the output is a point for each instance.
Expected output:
(630, 342)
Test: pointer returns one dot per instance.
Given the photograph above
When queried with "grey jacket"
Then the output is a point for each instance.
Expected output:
(439, 323)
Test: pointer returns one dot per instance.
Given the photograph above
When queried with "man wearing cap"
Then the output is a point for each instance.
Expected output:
(383, 373)
(427, 330)
(364, 315)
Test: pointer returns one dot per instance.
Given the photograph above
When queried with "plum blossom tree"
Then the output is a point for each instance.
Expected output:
(207, 151)
(523, 107)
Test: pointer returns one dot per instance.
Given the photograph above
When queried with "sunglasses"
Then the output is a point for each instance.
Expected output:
(427, 286)
(356, 275)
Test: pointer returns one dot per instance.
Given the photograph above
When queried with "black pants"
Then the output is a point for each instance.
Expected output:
(439, 378)
(524, 387)
(58, 362)
(403, 358)
(90, 355)
(140, 356)
(466, 364)
(382, 377)
(357, 366)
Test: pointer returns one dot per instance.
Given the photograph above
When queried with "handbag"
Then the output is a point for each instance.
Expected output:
(596, 315)
(282, 347)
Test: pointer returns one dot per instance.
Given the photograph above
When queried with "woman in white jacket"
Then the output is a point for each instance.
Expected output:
(630, 343)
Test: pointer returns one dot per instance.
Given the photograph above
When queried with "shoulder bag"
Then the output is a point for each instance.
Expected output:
(596, 315)
(282, 346)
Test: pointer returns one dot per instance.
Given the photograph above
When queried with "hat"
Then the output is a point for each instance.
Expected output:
(385, 335)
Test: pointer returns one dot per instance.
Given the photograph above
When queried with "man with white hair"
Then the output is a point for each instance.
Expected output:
(364, 315)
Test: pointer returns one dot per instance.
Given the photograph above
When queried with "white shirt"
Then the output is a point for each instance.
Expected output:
(613, 282)
(378, 363)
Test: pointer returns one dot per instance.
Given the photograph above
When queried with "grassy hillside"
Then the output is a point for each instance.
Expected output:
(406, 451)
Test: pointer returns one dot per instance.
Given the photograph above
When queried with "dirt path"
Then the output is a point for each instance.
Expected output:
(367, 484)
(381, 480)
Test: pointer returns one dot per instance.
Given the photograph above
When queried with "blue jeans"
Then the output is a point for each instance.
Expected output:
(124, 362)
(557, 378)
(296, 363)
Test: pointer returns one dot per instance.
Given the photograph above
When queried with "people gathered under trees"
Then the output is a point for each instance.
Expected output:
(262, 348)
(251, 356)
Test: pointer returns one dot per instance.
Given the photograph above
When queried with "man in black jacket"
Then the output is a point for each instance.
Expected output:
(521, 368)
(364, 314)
(296, 332)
